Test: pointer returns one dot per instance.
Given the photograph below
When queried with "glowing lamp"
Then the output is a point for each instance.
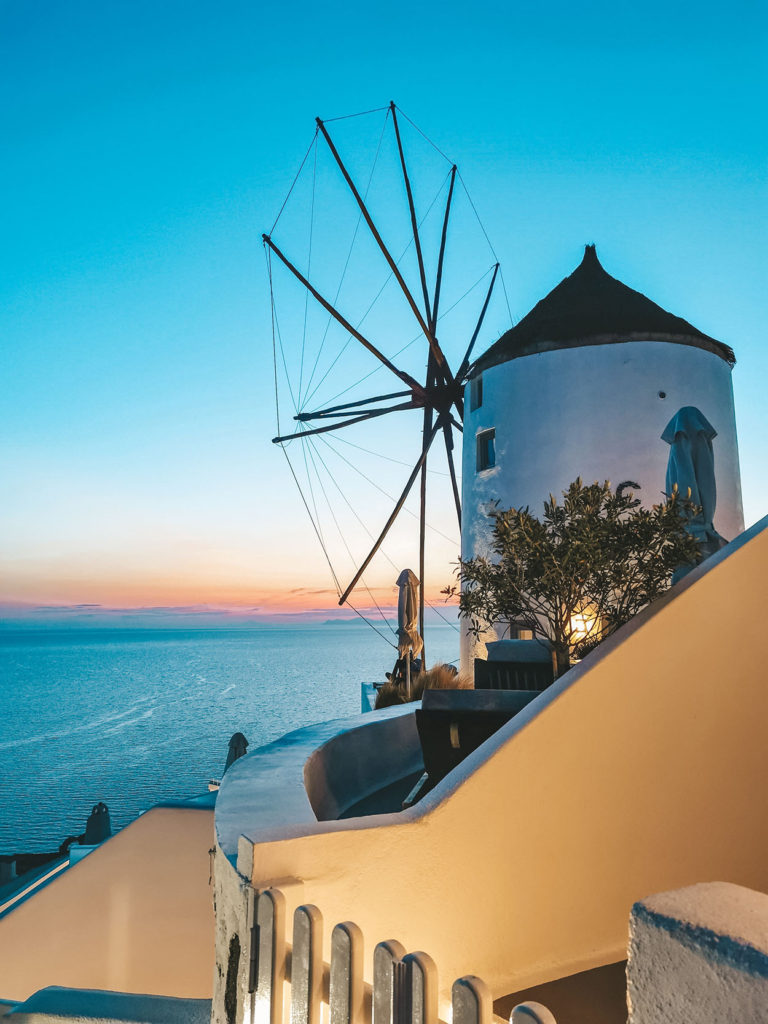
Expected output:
(585, 624)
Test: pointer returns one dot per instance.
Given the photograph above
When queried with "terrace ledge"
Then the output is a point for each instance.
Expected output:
(288, 787)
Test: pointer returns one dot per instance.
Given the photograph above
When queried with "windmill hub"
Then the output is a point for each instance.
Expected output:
(441, 397)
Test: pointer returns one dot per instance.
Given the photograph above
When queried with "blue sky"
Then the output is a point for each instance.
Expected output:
(146, 146)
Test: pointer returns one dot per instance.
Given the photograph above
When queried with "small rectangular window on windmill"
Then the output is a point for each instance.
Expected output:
(476, 392)
(486, 449)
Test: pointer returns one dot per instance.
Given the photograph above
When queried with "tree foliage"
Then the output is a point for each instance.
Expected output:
(596, 558)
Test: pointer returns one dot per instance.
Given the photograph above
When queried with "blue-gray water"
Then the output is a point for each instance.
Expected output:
(132, 717)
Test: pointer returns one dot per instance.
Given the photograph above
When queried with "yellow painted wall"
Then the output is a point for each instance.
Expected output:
(136, 915)
(645, 772)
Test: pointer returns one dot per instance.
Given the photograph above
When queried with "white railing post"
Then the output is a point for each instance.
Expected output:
(266, 972)
(307, 966)
(531, 1013)
(385, 957)
(472, 1003)
(346, 986)
(421, 980)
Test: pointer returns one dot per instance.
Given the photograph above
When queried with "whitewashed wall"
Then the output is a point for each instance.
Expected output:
(594, 412)
(699, 954)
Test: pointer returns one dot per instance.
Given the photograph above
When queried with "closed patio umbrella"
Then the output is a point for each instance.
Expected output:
(409, 642)
(238, 746)
(691, 467)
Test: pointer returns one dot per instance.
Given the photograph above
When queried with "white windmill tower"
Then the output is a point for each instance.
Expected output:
(584, 385)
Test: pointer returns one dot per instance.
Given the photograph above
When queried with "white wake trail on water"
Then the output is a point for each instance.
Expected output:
(131, 721)
(58, 734)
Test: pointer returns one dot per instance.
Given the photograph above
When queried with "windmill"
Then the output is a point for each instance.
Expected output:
(439, 395)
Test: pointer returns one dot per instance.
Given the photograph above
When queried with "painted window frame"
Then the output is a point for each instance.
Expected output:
(482, 452)
(476, 392)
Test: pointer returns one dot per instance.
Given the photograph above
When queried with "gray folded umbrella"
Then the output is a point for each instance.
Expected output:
(691, 467)
(238, 746)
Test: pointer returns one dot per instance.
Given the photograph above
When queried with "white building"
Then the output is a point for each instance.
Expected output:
(584, 385)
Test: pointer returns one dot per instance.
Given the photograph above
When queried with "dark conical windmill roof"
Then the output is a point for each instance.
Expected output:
(592, 308)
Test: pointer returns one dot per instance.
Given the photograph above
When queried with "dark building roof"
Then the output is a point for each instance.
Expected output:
(592, 308)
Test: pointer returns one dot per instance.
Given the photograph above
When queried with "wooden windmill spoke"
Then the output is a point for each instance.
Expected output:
(426, 431)
(435, 348)
(412, 383)
(371, 414)
(465, 361)
(399, 504)
(367, 414)
(439, 274)
(303, 417)
(458, 401)
(414, 222)
(452, 468)
(441, 256)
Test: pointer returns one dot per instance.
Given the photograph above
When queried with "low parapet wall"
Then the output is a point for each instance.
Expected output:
(312, 774)
(376, 750)
(136, 915)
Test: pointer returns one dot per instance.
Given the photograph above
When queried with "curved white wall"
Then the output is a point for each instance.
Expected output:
(593, 412)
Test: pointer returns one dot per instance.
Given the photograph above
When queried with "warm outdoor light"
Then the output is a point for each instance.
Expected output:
(584, 625)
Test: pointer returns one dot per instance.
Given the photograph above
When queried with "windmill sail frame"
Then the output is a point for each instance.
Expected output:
(441, 394)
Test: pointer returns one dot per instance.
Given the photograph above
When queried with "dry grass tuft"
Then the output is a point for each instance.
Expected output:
(439, 677)
(388, 695)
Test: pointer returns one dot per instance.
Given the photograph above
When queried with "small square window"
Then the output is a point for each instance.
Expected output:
(476, 393)
(486, 450)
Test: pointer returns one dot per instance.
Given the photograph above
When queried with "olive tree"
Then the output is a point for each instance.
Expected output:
(581, 571)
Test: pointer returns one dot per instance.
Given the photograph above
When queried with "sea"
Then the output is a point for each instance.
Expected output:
(132, 717)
